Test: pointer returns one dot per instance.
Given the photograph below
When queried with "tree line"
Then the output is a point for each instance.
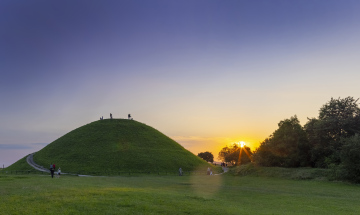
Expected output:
(330, 140)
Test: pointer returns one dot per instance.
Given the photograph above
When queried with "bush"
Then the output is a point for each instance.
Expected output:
(350, 158)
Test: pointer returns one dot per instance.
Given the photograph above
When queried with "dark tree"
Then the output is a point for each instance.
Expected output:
(350, 158)
(264, 155)
(208, 156)
(287, 146)
(338, 119)
(231, 154)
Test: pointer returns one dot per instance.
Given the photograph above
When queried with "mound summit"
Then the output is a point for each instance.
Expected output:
(112, 145)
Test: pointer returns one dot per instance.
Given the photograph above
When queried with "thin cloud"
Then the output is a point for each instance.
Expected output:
(192, 142)
(194, 138)
(14, 146)
(22, 146)
(40, 144)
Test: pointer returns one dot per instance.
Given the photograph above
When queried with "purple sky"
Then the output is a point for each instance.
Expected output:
(206, 73)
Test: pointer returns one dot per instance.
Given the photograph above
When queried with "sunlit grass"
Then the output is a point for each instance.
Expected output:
(36, 194)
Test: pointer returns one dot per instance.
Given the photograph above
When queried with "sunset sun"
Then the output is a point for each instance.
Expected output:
(242, 144)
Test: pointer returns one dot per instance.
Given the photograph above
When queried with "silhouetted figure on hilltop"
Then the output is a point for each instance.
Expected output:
(110, 116)
(129, 116)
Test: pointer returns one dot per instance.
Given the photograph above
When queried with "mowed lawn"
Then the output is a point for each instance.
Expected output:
(40, 194)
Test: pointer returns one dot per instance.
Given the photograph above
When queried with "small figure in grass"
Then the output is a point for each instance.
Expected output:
(208, 171)
(59, 173)
(180, 172)
(52, 170)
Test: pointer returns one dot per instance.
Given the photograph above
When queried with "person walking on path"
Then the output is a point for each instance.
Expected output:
(52, 170)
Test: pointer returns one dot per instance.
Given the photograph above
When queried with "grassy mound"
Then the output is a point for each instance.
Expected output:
(117, 145)
(20, 165)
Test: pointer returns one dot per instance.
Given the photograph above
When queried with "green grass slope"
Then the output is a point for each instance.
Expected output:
(116, 145)
(21, 165)
(304, 173)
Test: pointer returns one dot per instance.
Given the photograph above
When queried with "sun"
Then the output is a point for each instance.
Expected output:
(242, 144)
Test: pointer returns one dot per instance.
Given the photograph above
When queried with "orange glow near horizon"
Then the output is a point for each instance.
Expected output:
(242, 144)
(197, 144)
(249, 142)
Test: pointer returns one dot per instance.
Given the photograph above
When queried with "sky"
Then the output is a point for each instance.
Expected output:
(205, 73)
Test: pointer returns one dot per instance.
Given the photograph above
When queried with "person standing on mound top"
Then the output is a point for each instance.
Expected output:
(52, 170)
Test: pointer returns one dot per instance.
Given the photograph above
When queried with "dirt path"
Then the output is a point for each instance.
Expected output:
(30, 161)
(225, 170)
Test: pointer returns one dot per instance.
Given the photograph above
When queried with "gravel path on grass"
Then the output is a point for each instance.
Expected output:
(30, 161)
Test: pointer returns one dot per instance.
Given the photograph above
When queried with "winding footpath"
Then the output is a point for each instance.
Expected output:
(30, 161)
(225, 169)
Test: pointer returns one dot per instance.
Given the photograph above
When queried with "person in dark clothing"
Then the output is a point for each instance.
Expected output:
(52, 170)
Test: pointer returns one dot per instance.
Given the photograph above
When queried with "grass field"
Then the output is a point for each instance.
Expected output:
(224, 194)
